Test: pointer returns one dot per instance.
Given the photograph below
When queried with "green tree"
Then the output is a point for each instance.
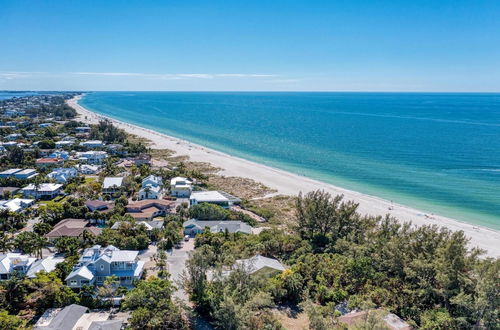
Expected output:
(11, 322)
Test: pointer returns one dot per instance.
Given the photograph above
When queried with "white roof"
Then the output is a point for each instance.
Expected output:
(92, 142)
(47, 264)
(82, 272)
(209, 196)
(10, 171)
(181, 180)
(26, 171)
(112, 181)
(44, 187)
(258, 262)
(124, 255)
(16, 204)
(9, 260)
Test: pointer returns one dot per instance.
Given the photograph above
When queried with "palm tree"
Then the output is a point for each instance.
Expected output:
(6, 243)
(39, 243)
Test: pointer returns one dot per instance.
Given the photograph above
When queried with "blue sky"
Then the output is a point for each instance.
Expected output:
(393, 45)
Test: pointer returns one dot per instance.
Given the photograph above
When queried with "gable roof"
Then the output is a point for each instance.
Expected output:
(216, 226)
(65, 319)
(110, 182)
(83, 272)
(73, 228)
(47, 264)
(259, 262)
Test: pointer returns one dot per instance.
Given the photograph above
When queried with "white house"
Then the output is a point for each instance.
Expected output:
(26, 174)
(13, 137)
(16, 204)
(92, 157)
(213, 197)
(14, 262)
(92, 144)
(194, 227)
(261, 265)
(62, 175)
(47, 265)
(9, 172)
(151, 188)
(181, 187)
(112, 185)
(87, 169)
(44, 191)
(62, 143)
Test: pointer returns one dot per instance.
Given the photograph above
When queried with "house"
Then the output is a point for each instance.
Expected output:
(112, 185)
(87, 169)
(82, 129)
(97, 263)
(143, 159)
(59, 154)
(46, 162)
(213, 197)
(61, 318)
(47, 265)
(11, 263)
(44, 125)
(72, 228)
(101, 207)
(64, 144)
(92, 157)
(8, 191)
(116, 149)
(16, 204)
(26, 174)
(181, 187)
(391, 321)
(150, 225)
(9, 173)
(43, 191)
(151, 188)
(194, 227)
(62, 175)
(10, 144)
(151, 192)
(13, 137)
(77, 317)
(259, 265)
(149, 209)
(92, 144)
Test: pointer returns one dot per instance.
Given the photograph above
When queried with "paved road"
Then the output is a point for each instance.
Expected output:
(176, 260)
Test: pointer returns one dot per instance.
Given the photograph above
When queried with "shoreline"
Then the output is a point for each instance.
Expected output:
(287, 183)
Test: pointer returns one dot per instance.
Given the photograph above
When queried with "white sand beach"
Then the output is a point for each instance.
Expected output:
(291, 184)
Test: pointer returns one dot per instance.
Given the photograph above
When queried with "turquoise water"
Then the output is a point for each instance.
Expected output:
(436, 152)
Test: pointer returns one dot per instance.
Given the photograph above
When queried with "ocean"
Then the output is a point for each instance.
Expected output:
(437, 152)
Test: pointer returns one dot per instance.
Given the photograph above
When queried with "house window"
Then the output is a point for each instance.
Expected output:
(4, 276)
(102, 267)
(73, 282)
(84, 282)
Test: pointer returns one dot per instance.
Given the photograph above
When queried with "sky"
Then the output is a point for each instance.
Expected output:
(384, 45)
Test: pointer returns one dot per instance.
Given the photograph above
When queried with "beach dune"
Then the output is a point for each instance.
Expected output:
(291, 184)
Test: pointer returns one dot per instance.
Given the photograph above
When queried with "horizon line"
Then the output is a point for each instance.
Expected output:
(244, 91)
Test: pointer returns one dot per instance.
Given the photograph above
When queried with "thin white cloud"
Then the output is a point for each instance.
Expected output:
(18, 74)
(175, 76)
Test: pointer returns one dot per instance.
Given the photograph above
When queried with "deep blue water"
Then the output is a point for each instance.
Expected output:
(436, 152)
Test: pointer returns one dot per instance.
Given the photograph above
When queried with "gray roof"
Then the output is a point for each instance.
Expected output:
(65, 319)
(106, 325)
(217, 226)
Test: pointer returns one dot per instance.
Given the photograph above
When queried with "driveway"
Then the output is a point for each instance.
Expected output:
(176, 259)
